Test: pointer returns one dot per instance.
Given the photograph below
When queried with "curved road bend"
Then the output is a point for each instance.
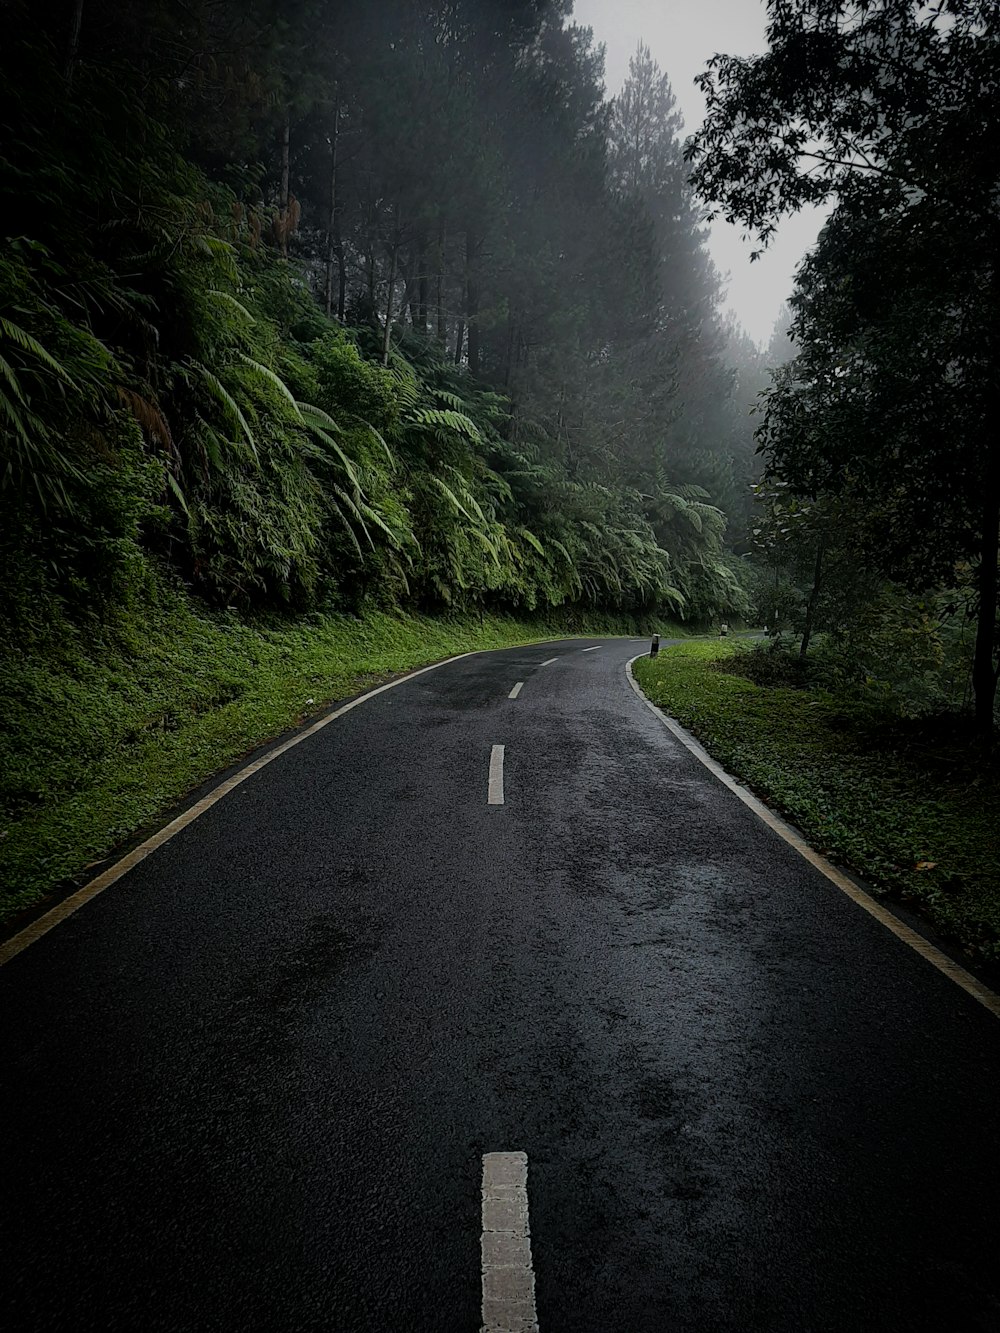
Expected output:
(251, 1085)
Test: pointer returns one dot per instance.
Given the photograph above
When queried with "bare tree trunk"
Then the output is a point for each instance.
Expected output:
(370, 265)
(410, 295)
(984, 673)
(472, 302)
(73, 45)
(387, 335)
(460, 333)
(410, 302)
(422, 282)
(508, 361)
(341, 279)
(510, 425)
(807, 628)
(442, 322)
(569, 454)
(283, 201)
(331, 227)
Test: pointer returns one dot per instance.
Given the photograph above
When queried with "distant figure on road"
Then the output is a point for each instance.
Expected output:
(723, 630)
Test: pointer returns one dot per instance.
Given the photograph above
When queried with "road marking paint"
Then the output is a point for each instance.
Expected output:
(71, 904)
(595, 649)
(495, 791)
(508, 1277)
(30, 934)
(952, 970)
(516, 690)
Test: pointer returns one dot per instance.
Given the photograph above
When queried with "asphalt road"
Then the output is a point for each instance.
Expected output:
(249, 1087)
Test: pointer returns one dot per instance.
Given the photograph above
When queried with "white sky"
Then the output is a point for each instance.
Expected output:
(682, 35)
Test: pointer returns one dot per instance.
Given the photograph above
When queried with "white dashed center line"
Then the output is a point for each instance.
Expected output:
(508, 1279)
(590, 650)
(549, 662)
(495, 793)
(516, 690)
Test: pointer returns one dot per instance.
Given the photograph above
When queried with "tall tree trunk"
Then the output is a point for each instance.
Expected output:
(73, 44)
(370, 267)
(283, 202)
(409, 301)
(565, 438)
(331, 226)
(341, 279)
(807, 628)
(442, 320)
(387, 334)
(508, 360)
(472, 302)
(422, 281)
(460, 333)
(510, 424)
(410, 287)
(984, 673)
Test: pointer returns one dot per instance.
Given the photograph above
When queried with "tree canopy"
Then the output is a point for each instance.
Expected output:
(889, 107)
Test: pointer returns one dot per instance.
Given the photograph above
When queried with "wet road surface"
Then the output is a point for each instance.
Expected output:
(251, 1085)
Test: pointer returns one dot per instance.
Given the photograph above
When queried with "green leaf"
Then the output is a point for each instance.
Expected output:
(227, 300)
(455, 421)
(266, 373)
(178, 493)
(315, 416)
(21, 338)
(226, 401)
(453, 498)
(338, 453)
(532, 540)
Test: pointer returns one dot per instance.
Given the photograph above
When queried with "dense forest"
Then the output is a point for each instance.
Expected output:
(316, 305)
(881, 496)
(316, 316)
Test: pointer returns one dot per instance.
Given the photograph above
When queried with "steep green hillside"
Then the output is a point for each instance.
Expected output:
(285, 405)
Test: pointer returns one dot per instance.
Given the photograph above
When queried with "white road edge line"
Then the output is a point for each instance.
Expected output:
(952, 970)
(17, 943)
(516, 690)
(549, 662)
(508, 1276)
(597, 647)
(495, 791)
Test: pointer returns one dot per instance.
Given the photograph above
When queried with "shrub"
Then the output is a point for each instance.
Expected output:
(768, 662)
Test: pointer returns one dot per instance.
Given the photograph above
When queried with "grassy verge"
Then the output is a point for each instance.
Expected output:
(102, 731)
(909, 806)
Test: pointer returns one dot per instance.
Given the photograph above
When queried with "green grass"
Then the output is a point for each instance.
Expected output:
(912, 807)
(103, 730)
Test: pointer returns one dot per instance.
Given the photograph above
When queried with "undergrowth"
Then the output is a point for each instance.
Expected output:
(908, 805)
